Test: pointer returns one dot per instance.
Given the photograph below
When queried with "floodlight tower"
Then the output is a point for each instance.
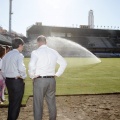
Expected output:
(10, 14)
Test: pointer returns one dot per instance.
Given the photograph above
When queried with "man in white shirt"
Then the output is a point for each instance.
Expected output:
(14, 71)
(42, 71)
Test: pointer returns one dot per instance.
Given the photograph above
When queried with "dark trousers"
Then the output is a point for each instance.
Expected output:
(15, 91)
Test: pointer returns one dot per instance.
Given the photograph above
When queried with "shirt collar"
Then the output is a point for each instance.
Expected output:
(43, 46)
(16, 50)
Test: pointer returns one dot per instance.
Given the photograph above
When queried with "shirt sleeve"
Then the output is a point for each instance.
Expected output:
(2, 68)
(0, 63)
(21, 67)
(32, 65)
(61, 61)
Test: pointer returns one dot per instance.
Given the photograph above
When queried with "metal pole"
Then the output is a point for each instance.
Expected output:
(10, 13)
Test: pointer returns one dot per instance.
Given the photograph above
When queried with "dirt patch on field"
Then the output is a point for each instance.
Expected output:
(80, 107)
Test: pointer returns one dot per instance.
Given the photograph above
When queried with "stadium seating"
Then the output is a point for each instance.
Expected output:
(5, 39)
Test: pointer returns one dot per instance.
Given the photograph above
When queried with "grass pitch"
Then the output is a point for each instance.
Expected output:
(98, 79)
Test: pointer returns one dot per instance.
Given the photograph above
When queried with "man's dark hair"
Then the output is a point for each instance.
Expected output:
(41, 38)
(16, 42)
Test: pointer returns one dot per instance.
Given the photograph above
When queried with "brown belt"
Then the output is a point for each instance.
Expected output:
(45, 76)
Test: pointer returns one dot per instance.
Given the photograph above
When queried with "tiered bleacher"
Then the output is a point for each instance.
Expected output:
(5, 40)
(99, 41)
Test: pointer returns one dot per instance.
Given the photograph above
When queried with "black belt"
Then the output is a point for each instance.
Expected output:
(45, 76)
(14, 78)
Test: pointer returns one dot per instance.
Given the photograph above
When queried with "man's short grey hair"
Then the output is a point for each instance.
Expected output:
(41, 38)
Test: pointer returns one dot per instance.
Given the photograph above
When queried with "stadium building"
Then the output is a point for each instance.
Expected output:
(6, 38)
(103, 43)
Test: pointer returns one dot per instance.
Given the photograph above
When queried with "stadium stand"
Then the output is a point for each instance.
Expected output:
(101, 42)
(97, 42)
(5, 40)
(104, 42)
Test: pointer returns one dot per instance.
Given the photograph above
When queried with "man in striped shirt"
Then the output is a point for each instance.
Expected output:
(14, 71)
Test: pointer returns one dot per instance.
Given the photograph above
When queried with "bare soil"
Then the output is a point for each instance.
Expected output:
(80, 107)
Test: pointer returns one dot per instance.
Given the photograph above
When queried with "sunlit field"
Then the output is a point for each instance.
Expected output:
(95, 79)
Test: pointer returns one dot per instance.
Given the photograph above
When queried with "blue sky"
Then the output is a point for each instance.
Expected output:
(66, 13)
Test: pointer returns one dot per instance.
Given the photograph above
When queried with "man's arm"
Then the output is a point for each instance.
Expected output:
(61, 61)
(21, 67)
(3, 67)
(32, 65)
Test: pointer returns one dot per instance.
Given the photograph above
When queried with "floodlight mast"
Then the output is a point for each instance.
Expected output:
(10, 15)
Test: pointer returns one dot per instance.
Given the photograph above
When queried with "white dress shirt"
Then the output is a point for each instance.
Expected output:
(43, 62)
(12, 65)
